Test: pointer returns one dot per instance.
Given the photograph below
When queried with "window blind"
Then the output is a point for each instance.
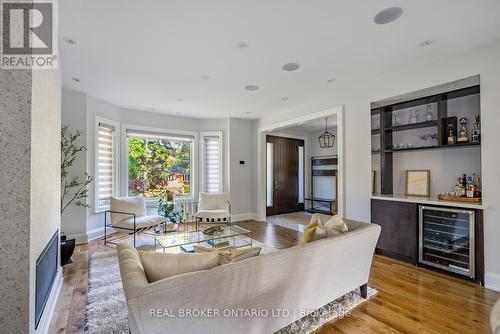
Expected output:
(212, 164)
(105, 165)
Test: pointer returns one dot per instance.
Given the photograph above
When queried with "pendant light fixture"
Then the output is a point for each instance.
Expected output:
(327, 139)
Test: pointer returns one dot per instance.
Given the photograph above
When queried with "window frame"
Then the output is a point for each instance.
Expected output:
(116, 161)
(164, 132)
(203, 135)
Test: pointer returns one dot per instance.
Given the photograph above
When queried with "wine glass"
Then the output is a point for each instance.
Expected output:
(423, 138)
(434, 137)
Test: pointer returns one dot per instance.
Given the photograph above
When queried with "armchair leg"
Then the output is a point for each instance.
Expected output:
(364, 290)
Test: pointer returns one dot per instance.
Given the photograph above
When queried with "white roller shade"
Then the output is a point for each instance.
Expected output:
(105, 178)
(212, 182)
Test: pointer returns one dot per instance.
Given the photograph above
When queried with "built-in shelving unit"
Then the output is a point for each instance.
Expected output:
(388, 125)
(412, 134)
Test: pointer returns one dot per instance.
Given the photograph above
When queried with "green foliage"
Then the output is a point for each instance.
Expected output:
(167, 209)
(73, 188)
(150, 161)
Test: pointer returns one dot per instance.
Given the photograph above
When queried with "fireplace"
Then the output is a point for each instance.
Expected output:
(46, 271)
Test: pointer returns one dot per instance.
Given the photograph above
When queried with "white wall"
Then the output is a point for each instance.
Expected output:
(356, 97)
(74, 106)
(45, 218)
(241, 187)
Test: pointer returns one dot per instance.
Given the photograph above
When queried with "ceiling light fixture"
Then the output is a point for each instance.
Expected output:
(205, 77)
(69, 40)
(290, 67)
(251, 88)
(327, 139)
(331, 80)
(284, 98)
(180, 99)
(388, 15)
(426, 43)
(75, 79)
(242, 45)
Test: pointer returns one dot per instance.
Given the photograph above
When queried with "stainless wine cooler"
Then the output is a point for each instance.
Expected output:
(447, 239)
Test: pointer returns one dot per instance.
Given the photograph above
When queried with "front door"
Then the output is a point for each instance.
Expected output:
(284, 184)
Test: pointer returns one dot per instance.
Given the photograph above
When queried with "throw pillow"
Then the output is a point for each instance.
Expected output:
(235, 256)
(332, 227)
(158, 266)
(310, 230)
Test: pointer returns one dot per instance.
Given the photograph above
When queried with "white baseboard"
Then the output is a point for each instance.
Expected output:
(243, 216)
(79, 238)
(50, 306)
(492, 281)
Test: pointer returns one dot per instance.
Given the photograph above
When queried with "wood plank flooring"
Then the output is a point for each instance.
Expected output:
(409, 299)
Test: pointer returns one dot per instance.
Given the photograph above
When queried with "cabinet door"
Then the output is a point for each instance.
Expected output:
(398, 238)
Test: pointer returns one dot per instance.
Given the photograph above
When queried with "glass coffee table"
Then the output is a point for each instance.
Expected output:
(232, 237)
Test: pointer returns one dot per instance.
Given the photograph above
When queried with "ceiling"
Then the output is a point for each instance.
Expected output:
(156, 54)
(314, 125)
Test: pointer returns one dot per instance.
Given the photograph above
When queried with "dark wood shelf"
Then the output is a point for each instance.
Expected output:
(325, 161)
(433, 147)
(405, 127)
(375, 132)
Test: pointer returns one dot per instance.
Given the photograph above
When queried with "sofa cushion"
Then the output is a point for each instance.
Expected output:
(131, 205)
(310, 230)
(141, 222)
(212, 214)
(235, 256)
(158, 266)
(332, 227)
(217, 201)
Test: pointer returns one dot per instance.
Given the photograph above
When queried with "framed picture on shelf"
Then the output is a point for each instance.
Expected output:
(418, 182)
(373, 181)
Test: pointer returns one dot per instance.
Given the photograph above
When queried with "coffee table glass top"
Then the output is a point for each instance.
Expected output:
(177, 239)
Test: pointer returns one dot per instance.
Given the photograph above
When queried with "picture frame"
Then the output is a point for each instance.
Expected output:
(373, 181)
(418, 182)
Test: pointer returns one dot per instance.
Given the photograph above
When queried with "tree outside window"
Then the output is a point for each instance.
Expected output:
(154, 163)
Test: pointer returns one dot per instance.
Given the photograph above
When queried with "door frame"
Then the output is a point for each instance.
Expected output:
(274, 129)
(306, 158)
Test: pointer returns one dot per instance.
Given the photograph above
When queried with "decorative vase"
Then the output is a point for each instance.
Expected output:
(428, 115)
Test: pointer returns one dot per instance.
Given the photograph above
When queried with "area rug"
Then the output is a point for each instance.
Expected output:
(106, 309)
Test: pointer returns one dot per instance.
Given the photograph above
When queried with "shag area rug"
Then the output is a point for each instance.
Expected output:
(106, 309)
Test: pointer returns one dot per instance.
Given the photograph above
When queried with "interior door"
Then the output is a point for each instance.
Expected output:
(283, 188)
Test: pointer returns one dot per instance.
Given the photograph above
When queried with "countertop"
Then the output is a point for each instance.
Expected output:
(428, 200)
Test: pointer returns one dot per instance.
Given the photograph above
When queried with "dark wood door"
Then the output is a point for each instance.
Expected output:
(285, 178)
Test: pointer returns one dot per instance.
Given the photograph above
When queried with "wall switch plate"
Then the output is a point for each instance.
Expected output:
(242, 162)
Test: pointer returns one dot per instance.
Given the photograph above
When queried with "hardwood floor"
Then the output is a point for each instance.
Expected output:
(409, 299)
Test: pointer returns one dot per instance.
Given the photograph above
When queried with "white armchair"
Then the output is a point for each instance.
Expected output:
(130, 214)
(213, 208)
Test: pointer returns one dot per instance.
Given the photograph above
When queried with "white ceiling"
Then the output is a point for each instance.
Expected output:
(314, 125)
(149, 54)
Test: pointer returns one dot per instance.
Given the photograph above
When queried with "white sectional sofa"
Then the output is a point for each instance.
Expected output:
(297, 279)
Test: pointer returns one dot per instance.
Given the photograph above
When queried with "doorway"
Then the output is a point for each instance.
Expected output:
(285, 175)
(286, 128)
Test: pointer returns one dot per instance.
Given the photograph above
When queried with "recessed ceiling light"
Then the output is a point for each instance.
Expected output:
(284, 98)
(291, 67)
(251, 87)
(180, 99)
(331, 80)
(388, 15)
(426, 43)
(249, 112)
(152, 109)
(69, 40)
(75, 79)
(205, 77)
(242, 45)
(178, 113)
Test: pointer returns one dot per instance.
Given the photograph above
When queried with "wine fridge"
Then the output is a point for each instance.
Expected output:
(446, 239)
